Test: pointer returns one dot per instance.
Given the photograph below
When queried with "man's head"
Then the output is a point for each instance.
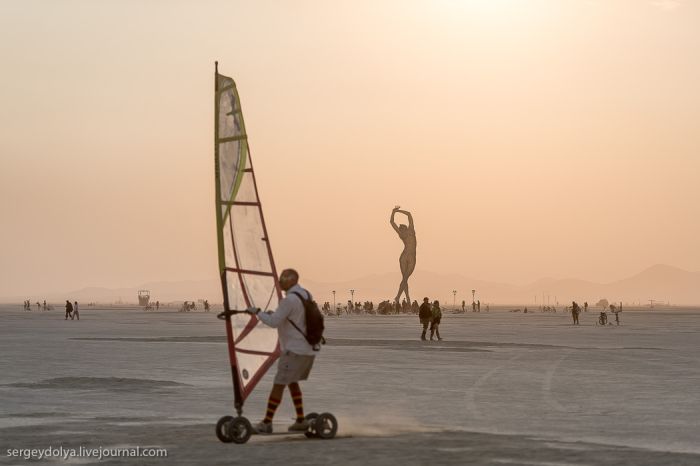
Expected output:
(425, 300)
(288, 278)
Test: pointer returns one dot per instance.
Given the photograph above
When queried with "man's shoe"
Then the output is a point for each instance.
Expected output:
(262, 428)
(299, 426)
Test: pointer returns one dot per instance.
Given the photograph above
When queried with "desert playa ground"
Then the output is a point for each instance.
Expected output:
(503, 388)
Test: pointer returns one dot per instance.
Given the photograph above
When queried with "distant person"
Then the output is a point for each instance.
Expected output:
(157, 305)
(478, 306)
(425, 315)
(487, 308)
(69, 310)
(44, 304)
(415, 308)
(585, 306)
(38, 306)
(435, 318)
(75, 311)
(617, 312)
(463, 305)
(575, 311)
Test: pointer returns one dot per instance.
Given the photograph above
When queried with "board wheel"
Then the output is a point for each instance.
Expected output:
(233, 429)
(326, 426)
(311, 431)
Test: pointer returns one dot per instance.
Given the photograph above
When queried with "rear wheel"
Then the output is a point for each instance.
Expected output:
(326, 426)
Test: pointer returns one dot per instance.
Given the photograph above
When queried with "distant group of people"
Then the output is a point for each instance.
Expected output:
(72, 310)
(430, 315)
(191, 306)
(602, 317)
(476, 306)
(385, 307)
(395, 307)
(188, 306)
(151, 306)
(28, 306)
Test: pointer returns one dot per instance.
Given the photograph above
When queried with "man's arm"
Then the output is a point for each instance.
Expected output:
(274, 319)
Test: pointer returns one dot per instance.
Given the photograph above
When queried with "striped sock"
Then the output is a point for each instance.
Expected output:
(298, 402)
(272, 405)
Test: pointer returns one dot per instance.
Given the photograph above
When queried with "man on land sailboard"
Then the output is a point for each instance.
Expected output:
(251, 289)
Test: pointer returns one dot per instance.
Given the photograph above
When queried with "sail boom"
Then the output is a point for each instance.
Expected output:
(249, 203)
(261, 353)
(233, 138)
(250, 272)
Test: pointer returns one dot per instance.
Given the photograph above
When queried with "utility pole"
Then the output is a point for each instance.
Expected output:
(334, 307)
(352, 296)
(454, 298)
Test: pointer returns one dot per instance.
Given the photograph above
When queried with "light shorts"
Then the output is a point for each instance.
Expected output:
(293, 367)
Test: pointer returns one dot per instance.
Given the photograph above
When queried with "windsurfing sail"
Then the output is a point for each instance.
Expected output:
(246, 266)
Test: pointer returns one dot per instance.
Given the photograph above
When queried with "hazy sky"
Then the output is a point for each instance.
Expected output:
(529, 138)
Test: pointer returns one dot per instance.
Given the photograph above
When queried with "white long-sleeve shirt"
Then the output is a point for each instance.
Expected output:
(290, 307)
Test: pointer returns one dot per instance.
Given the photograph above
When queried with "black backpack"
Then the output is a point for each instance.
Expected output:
(314, 322)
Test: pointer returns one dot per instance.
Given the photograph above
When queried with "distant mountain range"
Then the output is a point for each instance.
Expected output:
(659, 282)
